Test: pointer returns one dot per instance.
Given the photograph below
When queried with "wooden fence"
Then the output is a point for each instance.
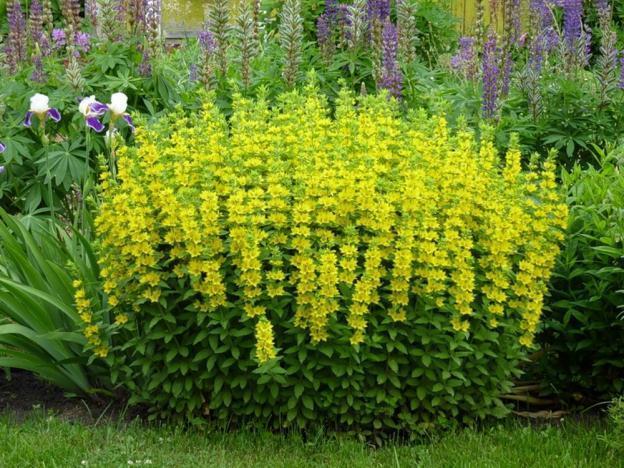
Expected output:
(466, 12)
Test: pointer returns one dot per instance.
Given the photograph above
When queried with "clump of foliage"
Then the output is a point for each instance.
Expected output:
(40, 330)
(585, 323)
(363, 269)
(614, 438)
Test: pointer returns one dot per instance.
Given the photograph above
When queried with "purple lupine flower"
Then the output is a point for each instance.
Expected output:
(40, 108)
(603, 8)
(59, 38)
(323, 30)
(145, 67)
(193, 73)
(516, 20)
(92, 110)
(391, 77)
(207, 42)
(2, 169)
(465, 61)
(16, 40)
(537, 53)
(91, 11)
(331, 9)
(572, 22)
(378, 10)
(82, 40)
(38, 75)
(543, 10)
(35, 20)
(506, 75)
(44, 44)
(490, 76)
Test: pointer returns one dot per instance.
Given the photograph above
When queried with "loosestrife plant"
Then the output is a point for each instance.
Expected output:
(391, 244)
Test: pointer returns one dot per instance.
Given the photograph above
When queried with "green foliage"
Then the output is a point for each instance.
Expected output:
(584, 328)
(614, 438)
(69, 159)
(39, 326)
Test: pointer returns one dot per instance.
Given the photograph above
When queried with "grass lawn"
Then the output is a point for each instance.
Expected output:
(45, 440)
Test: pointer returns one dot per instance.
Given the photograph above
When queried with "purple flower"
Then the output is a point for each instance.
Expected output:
(207, 42)
(2, 169)
(323, 31)
(44, 44)
(622, 72)
(38, 75)
(193, 73)
(464, 62)
(331, 11)
(490, 76)
(603, 9)
(145, 67)
(378, 10)
(545, 23)
(35, 20)
(16, 40)
(572, 22)
(516, 20)
(92, 110)
(82, 41)
(536, 53)
(40, 108)
(391, 77)
(2, 148)
(59, 38)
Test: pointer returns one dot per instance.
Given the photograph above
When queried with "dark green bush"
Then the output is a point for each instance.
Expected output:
(584, 330)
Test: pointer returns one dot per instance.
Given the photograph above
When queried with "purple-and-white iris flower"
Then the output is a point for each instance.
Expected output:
(93, 110)
(40, 108)
(118, 106)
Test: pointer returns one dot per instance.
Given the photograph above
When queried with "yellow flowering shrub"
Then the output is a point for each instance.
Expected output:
(371, 269)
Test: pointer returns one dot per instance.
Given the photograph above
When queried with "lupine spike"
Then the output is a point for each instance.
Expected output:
(391, 77)
(490, 75)
(16, 41)
(208, 47)
(219, 26)
(607, 63)
(73, 72)
(406, 26)
(324, 36)
(291, 40)
(48, 19)
(246, 41)
(152, 14)
(35, 21)
(356, 24)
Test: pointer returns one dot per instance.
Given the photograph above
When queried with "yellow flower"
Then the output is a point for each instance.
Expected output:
(265, 347)
(121, 319)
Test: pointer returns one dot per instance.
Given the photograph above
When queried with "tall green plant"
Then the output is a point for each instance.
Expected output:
(584, 329)
(39, 325)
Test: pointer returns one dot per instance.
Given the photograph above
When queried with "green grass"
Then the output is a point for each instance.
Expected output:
(43, 440)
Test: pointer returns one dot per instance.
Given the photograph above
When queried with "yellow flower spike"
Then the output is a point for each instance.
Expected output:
(265, 346)
(338, 217)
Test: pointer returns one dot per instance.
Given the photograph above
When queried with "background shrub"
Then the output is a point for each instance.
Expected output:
(584, 327)
(365, 270)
